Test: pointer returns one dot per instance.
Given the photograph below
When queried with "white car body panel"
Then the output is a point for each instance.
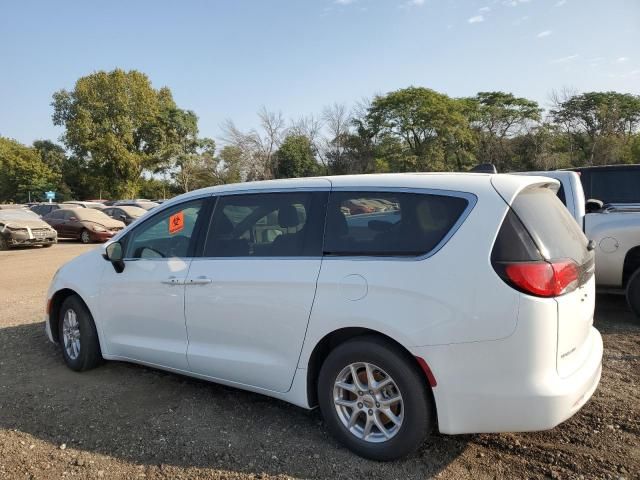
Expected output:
(493, 350)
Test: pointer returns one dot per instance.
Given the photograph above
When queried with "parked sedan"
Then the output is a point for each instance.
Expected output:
(87, 224)
(43, 209)
(88, 204)
(20, 226)
(125, 213)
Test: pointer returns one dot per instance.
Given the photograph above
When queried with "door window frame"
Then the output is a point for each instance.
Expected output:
(471, 198)
(196, 241)
(311, 190)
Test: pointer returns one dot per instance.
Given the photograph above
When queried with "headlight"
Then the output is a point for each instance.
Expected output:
(98, 228)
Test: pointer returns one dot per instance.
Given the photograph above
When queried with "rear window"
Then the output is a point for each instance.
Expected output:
(551, 226)
(614, 186)
(389, 224)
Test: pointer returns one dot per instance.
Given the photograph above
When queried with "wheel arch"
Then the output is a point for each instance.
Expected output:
(631, 264)
(337, 337)
(55, 305)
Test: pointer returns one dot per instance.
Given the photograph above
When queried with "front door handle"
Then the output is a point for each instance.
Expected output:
(173, 280)
(202, 280)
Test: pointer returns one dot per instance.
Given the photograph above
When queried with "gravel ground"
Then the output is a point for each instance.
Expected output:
(126, 421)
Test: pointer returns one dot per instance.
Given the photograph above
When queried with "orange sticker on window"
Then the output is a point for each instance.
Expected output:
(176, 222)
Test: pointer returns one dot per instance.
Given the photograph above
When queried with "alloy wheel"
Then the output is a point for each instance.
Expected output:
(368, 402)
(71, 334)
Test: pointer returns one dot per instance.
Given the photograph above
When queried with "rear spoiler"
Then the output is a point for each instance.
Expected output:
(509, 186)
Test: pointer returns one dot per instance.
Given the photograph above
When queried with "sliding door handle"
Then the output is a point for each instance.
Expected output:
(202, 280)
(172, 280)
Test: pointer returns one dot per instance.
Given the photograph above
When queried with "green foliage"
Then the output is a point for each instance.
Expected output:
(295, 158)
(496, 118)
(119, 125)
(23, 173)
(432, 126)
(602, 126)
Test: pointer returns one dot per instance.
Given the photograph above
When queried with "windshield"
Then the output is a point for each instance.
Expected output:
(18, 214)
(134, 212)
(91, 215)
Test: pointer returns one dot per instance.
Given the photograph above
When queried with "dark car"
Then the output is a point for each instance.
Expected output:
(21, 227)
(86, 224)
(43, 209)
(611, 184)
(125, 213)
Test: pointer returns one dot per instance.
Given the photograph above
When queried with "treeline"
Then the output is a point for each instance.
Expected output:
(123, 138)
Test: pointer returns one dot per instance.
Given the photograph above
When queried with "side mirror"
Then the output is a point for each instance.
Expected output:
(73, 219)
(113, 253)
(123, 217)
(593, 205)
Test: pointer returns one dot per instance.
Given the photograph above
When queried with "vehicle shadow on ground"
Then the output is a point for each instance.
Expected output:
(153, 418)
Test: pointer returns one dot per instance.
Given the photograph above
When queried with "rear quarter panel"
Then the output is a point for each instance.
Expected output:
(453, 296)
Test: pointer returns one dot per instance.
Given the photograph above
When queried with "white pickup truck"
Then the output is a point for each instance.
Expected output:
(615, 231)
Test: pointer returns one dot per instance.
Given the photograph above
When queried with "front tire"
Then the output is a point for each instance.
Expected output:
(78, 335)
(85, 237)
(374, 399)
(4, 245)
(633, 293)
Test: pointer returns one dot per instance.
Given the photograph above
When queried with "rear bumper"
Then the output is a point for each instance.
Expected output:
(489, 398)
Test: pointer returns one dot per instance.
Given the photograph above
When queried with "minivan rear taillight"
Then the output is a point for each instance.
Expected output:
(542, 278)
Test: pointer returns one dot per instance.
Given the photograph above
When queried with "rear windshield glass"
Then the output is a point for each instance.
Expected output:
(385, 223)
(550, 224)
(614, 186)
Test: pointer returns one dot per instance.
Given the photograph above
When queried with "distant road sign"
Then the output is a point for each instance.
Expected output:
(50, 195)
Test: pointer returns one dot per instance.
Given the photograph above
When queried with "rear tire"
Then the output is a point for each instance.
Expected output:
(633, 293)
(85, 237)
(78, 335)
(410, 419)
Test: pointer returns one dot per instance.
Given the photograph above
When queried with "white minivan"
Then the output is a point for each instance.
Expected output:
(397, 303)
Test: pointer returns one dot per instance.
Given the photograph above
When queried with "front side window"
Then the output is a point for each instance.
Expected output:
(167, 234)
(267, 225)
(389, 224)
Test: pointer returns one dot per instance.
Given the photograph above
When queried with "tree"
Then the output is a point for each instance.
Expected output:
(23, 175)
(257, 148)
(118, 124)
(295, 158)
(497, 117)
(432, 126)
(601, 124)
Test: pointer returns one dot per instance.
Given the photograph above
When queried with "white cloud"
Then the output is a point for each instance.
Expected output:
(565, 59)
(621, 59)
(561, 3)
(484, 9)
(414, 3)
(476, 19)
(344, 2)
(543, 34)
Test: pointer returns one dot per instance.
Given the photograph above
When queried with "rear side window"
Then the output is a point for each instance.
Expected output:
(551, 226)
(615, 186)
(389, 224)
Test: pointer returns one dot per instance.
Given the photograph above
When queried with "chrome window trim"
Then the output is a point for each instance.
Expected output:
(471, 198)
(257, 191)
(158, 211)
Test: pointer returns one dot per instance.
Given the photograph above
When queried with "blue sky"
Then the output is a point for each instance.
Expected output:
(226, 59)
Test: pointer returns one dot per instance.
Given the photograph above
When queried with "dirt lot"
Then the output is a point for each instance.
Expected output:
(126, 421)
